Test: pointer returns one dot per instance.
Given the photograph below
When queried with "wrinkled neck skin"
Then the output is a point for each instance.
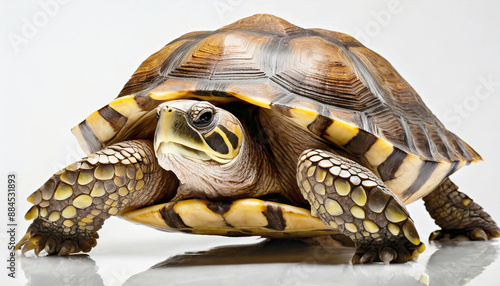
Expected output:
(247, 175)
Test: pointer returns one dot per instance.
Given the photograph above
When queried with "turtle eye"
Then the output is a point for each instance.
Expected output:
(204, 118)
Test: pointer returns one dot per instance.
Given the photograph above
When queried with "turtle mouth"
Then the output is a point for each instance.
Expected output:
(165, 148)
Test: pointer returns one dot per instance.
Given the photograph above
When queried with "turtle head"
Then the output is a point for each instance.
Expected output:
(197, 130)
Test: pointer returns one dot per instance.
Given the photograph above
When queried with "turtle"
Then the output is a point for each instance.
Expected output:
(263, 128)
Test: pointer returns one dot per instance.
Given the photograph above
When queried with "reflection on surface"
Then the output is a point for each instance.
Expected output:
(273, 263)
(68, 270)
(268, 251)
(293, 263)
(457, 263)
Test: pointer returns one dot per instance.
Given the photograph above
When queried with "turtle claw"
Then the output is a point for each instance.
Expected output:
(29, 242)
(380, 252)
(387, 255)
(478, 233)
(368, 256)
(41, 236)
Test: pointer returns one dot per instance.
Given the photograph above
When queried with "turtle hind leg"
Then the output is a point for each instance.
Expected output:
(458, 215)
(348, 196)
(73, 204)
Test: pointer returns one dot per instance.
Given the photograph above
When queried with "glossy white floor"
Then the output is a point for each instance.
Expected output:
(61, 60)
(150, 258)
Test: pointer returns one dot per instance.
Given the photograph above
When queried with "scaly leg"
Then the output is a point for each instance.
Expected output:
(348, 196)
(458, 215)
(72, 205)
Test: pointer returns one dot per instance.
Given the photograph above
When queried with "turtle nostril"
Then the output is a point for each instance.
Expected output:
(170, 110)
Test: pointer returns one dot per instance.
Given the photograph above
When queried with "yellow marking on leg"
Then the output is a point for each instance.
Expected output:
(139, 185)
(466, 202)
(342, 187)
(32, 213)
(104, 172)
(351, 227)
(411, 233)
(357, 212)
(394, 229)
(329, 180)
(370, 226)
(98, 190)
(310, 171)
(358, 195)
(379, 152)
(85, 177)
(35, 198)
(69, 178)
(333, 224)
(86, 220)
(69, 212)
(63, 192)
(123, 191)
(320, 175)
(340, 132)
(68, 223)
(306, 185)
(54, 216)
(139, 175)
(82, 201)
(333, 207)
(394, 213)
(320, 189)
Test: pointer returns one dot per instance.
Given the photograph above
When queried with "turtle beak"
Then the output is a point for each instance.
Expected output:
(174, 135)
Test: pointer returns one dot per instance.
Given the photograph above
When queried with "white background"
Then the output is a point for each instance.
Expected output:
(61, 60)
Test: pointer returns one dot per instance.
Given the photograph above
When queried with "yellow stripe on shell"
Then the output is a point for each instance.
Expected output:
(263, 102)
(303, 117)
(101, 128)
(77, 132)
(125, 105)
(168, 96)
(191, 211)
(437, 176)
(246, 213)
(300, 219)
(378, 152)
(405, 175)
(340, 132)
(128, 107)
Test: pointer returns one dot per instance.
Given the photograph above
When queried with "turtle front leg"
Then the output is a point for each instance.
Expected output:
(348, 196)
(458, 215)
(72, 205)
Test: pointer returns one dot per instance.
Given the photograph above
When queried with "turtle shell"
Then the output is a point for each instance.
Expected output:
(326, 82)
